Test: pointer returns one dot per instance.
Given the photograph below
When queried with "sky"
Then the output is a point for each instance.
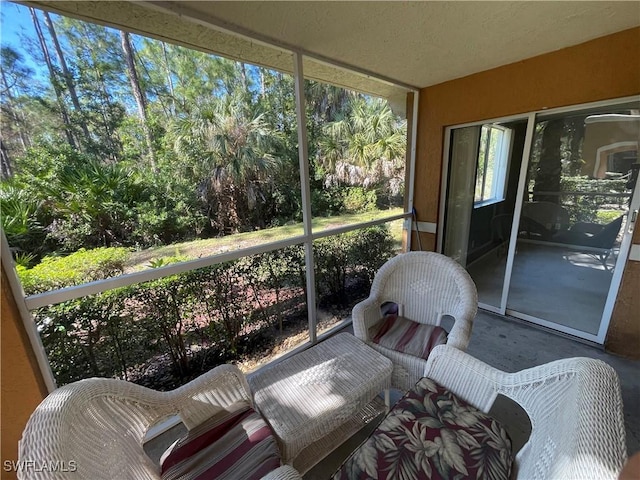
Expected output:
(15, 23)
(13, 20)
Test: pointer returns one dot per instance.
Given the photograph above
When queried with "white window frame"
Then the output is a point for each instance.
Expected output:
(32, 302)
(500, 166)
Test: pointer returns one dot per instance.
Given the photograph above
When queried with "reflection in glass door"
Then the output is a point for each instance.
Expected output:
(537, 210)
(581, 174)
(484, 167)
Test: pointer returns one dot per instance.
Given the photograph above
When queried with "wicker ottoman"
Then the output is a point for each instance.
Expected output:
(310, 398)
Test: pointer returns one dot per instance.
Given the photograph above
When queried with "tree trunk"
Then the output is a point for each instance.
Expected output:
(17, 117)
(577, 137)
(54, 79)
(243, 76)
(68, 79)
(111, 138)
(549, 168)
(6, 169)
(262, 87)
(138, 94)
(169, 78)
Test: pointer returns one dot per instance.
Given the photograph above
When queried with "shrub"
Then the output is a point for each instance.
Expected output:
(152, 333)
(79, 267)
(584, 208)
(21, 220)
(164, 307)
(94, 336)
(162, 221)
(326, 202)
(351, 256)
(227, 302)
(359, 199)
(606, 216)
(276, 275)
(371, 249)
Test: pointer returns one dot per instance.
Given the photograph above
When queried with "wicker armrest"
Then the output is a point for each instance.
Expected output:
(463, 313)
(211, 392)
(364, 316)
(100, 423)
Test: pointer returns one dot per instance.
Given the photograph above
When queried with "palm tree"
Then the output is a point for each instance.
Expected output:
(232, 153)
(326, 102)
(366, 146)
(94, 202)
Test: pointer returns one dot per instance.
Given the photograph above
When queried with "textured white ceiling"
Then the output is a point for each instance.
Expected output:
(424, 43)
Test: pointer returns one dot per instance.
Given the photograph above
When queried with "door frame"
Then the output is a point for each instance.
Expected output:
(625, 246)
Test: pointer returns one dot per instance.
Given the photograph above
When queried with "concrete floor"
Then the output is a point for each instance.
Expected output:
(552, 282)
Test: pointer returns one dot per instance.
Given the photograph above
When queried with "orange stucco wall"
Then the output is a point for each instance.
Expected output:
(601, 69)
(623, 336)
(22, 386)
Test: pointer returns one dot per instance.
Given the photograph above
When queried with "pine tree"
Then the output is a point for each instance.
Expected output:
(138, 94)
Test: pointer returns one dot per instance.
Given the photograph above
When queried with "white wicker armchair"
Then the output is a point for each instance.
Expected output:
(427, 286)
(575, 408)
(96, 427)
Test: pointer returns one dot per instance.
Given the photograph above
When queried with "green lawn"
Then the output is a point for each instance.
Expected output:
(211, 246)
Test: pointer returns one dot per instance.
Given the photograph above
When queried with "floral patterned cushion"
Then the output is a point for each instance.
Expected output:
(432, 434)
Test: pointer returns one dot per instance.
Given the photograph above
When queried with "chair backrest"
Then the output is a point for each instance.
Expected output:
(501, 227)
(606, 238)
(96, 427)
(427, 285)
(574, 404)
(552, 216)
(99, 424)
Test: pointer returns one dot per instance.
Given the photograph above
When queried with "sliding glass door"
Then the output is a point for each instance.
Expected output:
(481, 198)
(538, 209)
(580, 179)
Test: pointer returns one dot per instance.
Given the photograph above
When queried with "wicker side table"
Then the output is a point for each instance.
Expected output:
(310, 396)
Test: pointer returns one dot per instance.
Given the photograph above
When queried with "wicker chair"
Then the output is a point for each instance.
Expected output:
(427, 286)
(574, 405)
(98, 425)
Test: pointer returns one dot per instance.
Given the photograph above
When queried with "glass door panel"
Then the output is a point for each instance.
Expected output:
(581, 174)
(484, 167)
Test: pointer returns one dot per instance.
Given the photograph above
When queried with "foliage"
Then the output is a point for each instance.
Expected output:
(372, 248)
(94, 203)
(586, 184)
(329, 201)
(93, 336)
(352, 256)
(236, 159)
(213, 151)
(20, 216)
(358, 199)
(79, 267)
(164, 261)
(582, 200)
(198, 317)
(364, 146)
(607, 216)
(24, 259)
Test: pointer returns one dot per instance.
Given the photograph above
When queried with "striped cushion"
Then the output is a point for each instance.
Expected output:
(235, 445)
(406, 336)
